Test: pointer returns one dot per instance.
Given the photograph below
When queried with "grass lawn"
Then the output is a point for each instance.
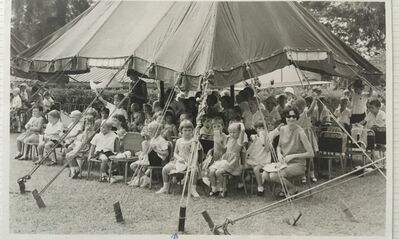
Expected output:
(86, 207)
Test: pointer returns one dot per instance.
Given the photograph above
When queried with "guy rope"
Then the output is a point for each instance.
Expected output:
(301, 195)
(21, 181)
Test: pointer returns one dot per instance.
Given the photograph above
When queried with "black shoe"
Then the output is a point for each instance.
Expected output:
(260, 194)
(75, 174)
(214, 194)
(18, 156)
(51, 163)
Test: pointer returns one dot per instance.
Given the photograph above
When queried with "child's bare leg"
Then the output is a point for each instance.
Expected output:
(258, 177)
(212, 179)
(72, 162)
(104, 164)
(194, 192)
(311, 166)
(165, 177)
(219, 179)
(40, 149)
(47, 148)
(19, 147)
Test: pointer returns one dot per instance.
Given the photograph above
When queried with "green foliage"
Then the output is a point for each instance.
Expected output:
(359, 24)
(32, 20)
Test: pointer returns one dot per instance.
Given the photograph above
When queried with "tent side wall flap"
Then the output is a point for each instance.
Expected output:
(225, 42)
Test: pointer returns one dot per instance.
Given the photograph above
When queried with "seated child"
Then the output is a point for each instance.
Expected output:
(343, 113)
(206, 133)
(33, 129)
(155, 151)
(219, 143)
(259, 153)
(76, 150)
(103, 145)
(170, 129)
(182, 157)
(229, 162)
(375, 117)
(52, 134)
(148, 113)
(75, 115)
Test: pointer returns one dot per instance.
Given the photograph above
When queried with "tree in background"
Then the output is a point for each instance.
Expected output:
(361, 25)
(33, 20)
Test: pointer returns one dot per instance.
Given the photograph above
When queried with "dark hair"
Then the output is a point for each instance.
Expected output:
(211, 100)
(272, 100)
(249, 91)
(281, 97)
(122, 119)
(120, 96)
(228, 101)
(244, 95)
(40, 108)
(105, 111)
(309, 99)
(286, 112)
(375, 103)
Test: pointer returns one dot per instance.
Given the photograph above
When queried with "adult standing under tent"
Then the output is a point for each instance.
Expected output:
(138, 92)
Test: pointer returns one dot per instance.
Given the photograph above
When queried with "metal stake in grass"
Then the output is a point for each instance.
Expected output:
(210, 222)
(37, 195)
(182, 219)
(118, 212)
(21, 183)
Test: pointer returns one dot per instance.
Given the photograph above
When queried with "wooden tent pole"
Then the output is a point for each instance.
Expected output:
(162, 90)
(232, 93)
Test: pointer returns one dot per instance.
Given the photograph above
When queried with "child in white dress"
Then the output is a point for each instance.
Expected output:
(305, 122)
(182, 156)
(230, 161)
(259, 152)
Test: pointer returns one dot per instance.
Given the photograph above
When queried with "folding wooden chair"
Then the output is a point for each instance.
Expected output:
(131, 142)
(92, 161)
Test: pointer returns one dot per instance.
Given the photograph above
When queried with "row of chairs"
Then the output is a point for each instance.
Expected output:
(335, 145)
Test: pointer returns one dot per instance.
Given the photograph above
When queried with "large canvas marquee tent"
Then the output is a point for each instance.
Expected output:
(185, 42)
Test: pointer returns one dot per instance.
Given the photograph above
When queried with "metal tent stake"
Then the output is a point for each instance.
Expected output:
(37, 195)
(182, 219)
(38, 199)
(211, 225)
(118, 212)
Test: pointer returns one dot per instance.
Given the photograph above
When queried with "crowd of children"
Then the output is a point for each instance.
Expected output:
(253, 134)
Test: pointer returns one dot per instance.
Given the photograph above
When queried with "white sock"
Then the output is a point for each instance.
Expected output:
(260, 189)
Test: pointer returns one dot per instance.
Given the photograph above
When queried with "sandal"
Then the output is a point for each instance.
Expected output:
(104, 179)
(223, 194)
(314, 179)
(303, 180)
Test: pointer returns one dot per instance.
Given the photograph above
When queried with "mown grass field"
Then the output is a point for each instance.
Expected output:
(85, 207)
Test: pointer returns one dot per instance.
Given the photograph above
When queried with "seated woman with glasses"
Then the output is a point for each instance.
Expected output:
(292, 151)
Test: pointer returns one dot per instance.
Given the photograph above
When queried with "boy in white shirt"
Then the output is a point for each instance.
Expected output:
(343, 113)
(75, 115)
(359, 102)
(52, 135)
(103, 145)
(375, 117)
